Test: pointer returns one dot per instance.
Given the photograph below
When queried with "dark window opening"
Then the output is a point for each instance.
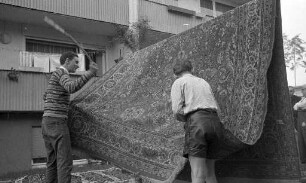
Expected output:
(223, 7)
(39, 160)
(40, 46)
(93, 56)
(207, 4)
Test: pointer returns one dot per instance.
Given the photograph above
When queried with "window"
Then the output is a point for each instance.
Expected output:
(49, 47)
(93, 55)
(206, 4)
(44, 55)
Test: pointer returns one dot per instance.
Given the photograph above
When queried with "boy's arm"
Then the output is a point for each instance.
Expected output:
(178, 101)
(72, 86)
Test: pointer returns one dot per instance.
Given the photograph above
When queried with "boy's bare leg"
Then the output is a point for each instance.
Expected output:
(198, 169)
(211, 176)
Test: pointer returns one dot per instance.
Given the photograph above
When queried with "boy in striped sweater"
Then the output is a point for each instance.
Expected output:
(54, 123)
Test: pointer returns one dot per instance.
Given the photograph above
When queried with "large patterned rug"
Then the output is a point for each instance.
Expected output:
(125, 117)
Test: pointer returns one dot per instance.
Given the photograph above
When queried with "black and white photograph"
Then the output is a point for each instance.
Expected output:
(152, 91)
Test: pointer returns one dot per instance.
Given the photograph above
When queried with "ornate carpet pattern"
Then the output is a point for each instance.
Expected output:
(110, 175)
(125, 117)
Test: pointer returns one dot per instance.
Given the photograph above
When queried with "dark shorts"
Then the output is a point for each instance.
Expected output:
(203, 129)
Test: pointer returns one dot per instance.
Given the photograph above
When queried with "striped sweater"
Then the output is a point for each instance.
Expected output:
(57, 96)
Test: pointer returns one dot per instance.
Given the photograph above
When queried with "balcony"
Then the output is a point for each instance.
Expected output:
(111, 11)
(26, 93)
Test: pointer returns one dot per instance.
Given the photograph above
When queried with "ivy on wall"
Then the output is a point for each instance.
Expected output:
(134, 35)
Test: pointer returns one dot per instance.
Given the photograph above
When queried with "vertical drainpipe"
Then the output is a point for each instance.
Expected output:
(214, 8)
(134, 17)
(133, 11)
(198, 6)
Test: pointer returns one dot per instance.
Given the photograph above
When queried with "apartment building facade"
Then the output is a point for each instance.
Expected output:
(30, 51)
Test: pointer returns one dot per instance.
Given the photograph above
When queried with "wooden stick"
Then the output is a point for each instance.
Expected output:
(60, 29)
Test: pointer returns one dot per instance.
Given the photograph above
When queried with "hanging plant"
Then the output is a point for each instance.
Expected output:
(13, 75)
(134, 35)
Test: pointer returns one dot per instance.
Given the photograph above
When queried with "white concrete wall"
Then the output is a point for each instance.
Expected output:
(9, 53)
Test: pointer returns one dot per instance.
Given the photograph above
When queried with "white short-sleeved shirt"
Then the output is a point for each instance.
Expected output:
(189, 93)
(300, 105)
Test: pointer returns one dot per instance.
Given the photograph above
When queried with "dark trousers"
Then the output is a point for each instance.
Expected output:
(203, 130)
(57, 141)
(301, 128)
(301, 144)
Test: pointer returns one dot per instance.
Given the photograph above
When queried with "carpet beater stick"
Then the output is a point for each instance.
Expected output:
(62, 30)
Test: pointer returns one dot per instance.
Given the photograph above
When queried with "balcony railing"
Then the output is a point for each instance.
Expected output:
(27, 93)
